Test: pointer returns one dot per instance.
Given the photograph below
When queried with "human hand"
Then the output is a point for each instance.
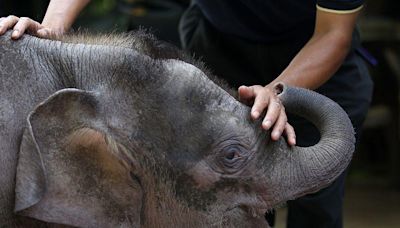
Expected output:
(22, 25)
(266, 98)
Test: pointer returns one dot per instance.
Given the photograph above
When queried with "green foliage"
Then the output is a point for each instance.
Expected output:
(100, 7)
(101, 16)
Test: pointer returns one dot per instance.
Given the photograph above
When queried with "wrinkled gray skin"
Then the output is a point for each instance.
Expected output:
(112, 136)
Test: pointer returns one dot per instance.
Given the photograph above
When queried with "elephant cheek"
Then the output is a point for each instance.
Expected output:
(203, 176)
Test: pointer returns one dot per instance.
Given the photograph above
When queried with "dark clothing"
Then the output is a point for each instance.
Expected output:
(268, 20)
(220, 50)
(340, 4)
(241, 62)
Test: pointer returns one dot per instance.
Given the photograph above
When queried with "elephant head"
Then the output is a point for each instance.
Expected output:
(158, 144)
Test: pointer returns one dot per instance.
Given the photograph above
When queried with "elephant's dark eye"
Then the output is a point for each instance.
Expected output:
(233, 157)
(232, 153)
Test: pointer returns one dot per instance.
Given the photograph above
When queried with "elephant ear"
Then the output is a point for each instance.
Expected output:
(67, 173)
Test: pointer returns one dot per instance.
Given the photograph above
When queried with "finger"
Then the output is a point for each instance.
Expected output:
(2, 28)
(246, 94)
(261, 101)
(279, 125)
(273, 113)
(25, 24)
(1, 25)
(44, 33)
(7, 23)
(290, 134)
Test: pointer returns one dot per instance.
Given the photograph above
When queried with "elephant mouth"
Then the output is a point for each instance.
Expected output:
(245, 216)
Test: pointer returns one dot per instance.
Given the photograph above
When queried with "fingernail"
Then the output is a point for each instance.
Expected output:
(275, 135)
(255, 114)
(15, 33)
(267, 124)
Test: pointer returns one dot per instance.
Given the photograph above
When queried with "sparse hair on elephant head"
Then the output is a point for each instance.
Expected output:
(126, 131)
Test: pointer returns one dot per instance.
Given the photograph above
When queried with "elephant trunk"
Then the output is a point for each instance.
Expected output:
(308, 169)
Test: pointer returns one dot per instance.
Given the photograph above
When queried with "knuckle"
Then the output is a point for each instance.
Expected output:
(276, 104)
(261, 89)
(284, 118)
(282, 125)
(12, 17)
(283, 113)
(266, 91)
(23, 19)
(256, 90)
(261, 101)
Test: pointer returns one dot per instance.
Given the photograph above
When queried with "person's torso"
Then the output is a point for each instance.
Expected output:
(269, 20)
(261, 20)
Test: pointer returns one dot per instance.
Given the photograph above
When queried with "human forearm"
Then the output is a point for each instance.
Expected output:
(61, 14)
(320, 58)
(315, 63)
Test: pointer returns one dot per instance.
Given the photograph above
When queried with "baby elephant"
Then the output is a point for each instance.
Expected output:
(125, 131)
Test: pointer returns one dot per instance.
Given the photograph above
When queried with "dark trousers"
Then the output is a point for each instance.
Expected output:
(241, 62)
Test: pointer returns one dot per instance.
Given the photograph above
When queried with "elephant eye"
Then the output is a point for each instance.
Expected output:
(232, 153)
(233, 157)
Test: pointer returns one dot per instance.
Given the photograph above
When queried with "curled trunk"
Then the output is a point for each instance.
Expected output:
(308, 169)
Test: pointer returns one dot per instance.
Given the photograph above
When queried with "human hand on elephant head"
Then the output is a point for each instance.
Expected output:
(22, 25)
(265, 98)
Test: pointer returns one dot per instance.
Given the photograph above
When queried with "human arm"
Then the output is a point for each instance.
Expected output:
(316, 62)
(59, 18)
(323, 54)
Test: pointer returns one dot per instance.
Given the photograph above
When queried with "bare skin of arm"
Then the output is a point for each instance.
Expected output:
(323, 54)
(59, 17)
(317, 61)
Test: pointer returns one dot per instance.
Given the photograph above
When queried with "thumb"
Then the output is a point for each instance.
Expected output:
(246, 94)
(246, 91)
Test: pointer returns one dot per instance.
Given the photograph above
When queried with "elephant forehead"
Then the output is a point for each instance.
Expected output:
(187, 79)
(6, 110)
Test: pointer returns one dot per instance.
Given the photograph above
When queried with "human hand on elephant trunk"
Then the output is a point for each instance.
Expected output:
(264, 99)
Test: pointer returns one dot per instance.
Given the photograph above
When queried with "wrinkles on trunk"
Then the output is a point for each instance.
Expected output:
(303, 170)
